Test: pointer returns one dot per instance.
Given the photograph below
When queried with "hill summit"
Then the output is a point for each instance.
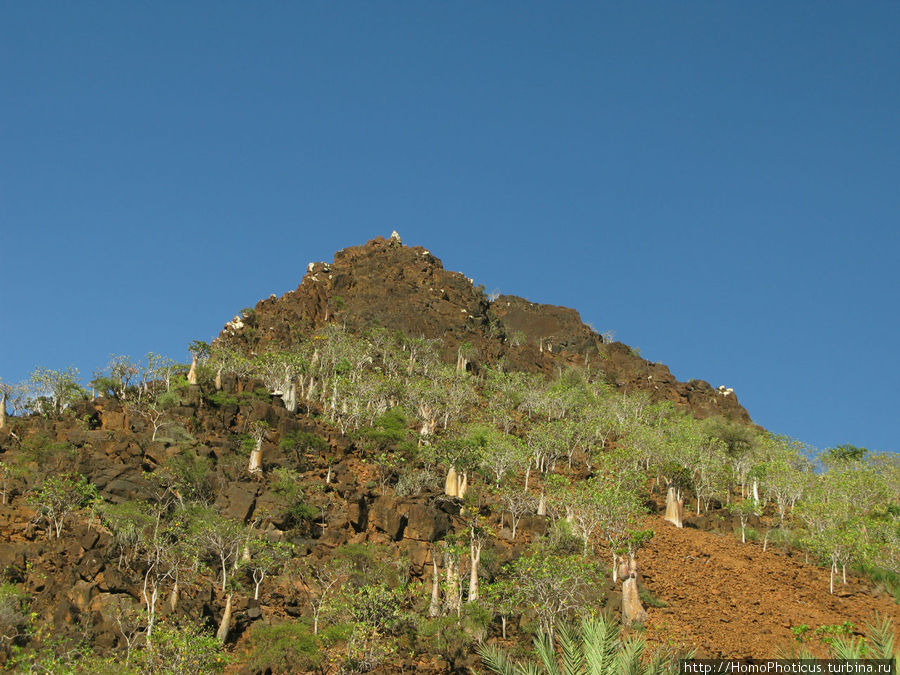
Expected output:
(406, 288)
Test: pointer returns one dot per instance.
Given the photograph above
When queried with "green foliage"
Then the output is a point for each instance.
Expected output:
(54, 390)
(595, 649)
(846, 453)
(286, 484)
(287, 647)
(13, 613)
(181, 649)
(390, 431)
(46, 452)
(553, 586)
(59, 496)
(188, 473)
(223, 398)
(302, 443)
(413, 482)
(651, 600)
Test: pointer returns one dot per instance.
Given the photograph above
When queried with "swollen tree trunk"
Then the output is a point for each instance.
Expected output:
(173, 597)
(451, 484)
(256, 458)
(452, 601)
(290, 398)
(462, 484)
(755, 491)
(542, 506)
(218, 382)
(674, 508)
(632, 609)
(2, 408)
(434, 609)
(474, 558)
(222, 633)
(192, 373)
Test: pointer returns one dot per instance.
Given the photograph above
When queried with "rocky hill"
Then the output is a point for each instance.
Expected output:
(350, 481)
(406, 288)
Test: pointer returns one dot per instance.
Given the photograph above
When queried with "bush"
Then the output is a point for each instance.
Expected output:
(13, 613)
(185, 649)
(285, 647)
(416, 481)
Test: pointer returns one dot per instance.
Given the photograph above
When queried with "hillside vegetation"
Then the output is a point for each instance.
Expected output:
(360, 476)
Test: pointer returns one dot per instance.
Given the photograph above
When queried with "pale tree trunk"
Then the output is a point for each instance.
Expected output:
(452, 601)
(674, 509)
(542, 506)
(2, 409)
(462, 485)
(256, 458)
(218, 381)
(755, 491)
(290, 398)
(451, 484)
(474, 559)
(192, 373)
(831, 578)
(615, 567)
(173, 597)
(222, 633)
(632, 609)
(527, 476)
(434, 609)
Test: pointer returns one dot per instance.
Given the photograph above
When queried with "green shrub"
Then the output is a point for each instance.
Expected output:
(416, 481)
(651, 600)
(223, 398)
(288, 647)
(181, 649)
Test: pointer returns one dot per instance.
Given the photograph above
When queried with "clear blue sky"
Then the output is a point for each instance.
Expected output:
(718, 182)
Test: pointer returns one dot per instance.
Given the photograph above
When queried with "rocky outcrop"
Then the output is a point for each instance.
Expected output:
(406, 288)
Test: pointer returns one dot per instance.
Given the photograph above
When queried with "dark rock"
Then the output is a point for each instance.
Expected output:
(425, 523)
(238, 500)
(357, 512)
(386, 517)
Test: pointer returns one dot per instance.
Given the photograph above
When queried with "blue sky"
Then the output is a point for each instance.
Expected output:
(715, 182)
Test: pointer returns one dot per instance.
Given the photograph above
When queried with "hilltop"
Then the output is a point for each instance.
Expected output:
(406, 288)
(385, 468)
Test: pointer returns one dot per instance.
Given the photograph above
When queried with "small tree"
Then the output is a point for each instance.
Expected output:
(744, 509)
(199, 353)
(59, 387)
(60, 496)
(319, 580)
(266, 557)
(258, 432)
(554, 586)
(517, 501)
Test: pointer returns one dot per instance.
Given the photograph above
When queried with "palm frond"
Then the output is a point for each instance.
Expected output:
(880, 633)
(600, 638)
(848, 648)
(496, 660)
(628, 658)
(572, 656)
(543, 645)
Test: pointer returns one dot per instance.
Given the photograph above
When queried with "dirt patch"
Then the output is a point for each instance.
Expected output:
(727, 599)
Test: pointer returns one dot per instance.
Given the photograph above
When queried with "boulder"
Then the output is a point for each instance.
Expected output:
(238, 501)
(425, 523)
(385, 516)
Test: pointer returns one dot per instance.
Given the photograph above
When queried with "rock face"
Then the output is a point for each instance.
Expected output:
(406, 288)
